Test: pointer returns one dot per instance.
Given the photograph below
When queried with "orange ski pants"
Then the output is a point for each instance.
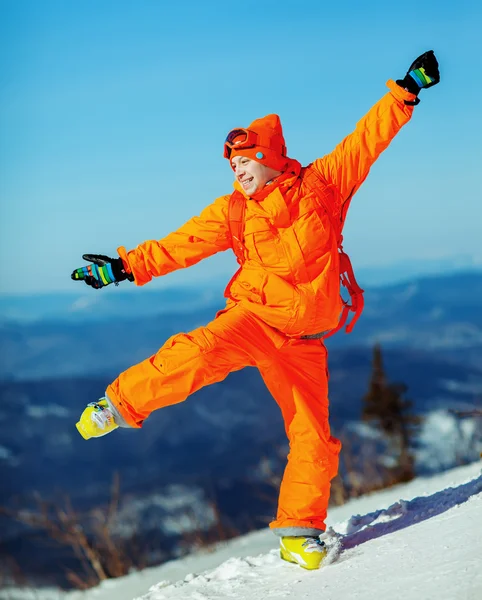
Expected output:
(295, 372)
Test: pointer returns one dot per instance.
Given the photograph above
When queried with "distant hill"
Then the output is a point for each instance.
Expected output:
(86, 304)
(222, 437)
(430, 330)
(221, 430)
(440, 314)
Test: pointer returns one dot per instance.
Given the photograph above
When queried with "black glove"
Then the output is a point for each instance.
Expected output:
(423, 73)
(103, 271)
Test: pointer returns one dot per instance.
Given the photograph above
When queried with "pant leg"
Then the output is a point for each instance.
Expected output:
(190, 361)
(298, 380)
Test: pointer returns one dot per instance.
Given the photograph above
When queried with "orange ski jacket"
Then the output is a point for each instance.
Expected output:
(290, 276)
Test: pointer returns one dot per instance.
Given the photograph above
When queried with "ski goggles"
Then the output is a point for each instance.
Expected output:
(241, 139)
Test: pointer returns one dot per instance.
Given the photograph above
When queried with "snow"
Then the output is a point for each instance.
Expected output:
(179, 510)
(446, 440)
(47, 410)
(421, 540)
(5, 453)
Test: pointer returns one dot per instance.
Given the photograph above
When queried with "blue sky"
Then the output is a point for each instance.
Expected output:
(113, 116)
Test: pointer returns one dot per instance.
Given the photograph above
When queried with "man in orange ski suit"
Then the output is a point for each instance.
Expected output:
(286, 290)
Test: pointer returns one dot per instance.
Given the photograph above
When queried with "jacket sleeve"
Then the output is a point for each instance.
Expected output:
(199, 238)
(348, 165)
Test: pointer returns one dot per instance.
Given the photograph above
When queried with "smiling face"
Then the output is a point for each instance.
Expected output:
(252, 175)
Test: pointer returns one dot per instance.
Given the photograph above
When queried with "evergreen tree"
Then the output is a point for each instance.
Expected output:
(385, 404)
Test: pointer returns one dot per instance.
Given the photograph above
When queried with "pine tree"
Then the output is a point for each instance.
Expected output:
(385, 404)
(373, 405)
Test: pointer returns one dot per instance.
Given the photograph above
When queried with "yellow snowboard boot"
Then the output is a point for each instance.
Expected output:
(306, 551)
(96, 420)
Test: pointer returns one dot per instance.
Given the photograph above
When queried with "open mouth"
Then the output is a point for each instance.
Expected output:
(246, 182)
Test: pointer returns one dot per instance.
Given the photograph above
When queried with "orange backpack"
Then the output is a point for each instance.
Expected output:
(236, 219)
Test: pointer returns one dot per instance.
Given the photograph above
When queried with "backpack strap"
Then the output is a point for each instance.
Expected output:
(347, 277)
(236, 216)
(348, 280)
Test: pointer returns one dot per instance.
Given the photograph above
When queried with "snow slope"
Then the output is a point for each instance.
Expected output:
(419, 541)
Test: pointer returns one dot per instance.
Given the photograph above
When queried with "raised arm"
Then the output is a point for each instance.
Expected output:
(199, 238)
(348, 165)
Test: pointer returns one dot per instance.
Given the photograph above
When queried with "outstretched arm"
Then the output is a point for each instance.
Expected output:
(199, 238)
(348, 165)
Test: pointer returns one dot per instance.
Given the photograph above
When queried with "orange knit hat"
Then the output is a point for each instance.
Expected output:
(262, 141)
